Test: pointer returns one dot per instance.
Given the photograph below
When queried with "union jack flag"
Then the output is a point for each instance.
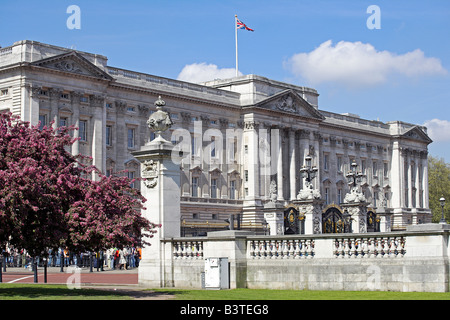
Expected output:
(241, 25)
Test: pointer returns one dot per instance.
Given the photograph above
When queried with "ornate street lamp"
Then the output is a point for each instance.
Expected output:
(308, 173)
(353, 176)
(442, 201)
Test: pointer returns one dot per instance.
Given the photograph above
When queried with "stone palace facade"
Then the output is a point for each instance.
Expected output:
(243, 140)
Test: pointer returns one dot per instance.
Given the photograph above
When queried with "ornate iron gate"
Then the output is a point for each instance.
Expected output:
(293, 222)
(373, 222)
(334, 221)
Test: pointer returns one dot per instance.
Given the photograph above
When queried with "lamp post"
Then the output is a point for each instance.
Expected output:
(442, 201)
(353, 176)
(308, 173)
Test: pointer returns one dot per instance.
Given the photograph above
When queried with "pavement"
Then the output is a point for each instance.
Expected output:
(123, 281)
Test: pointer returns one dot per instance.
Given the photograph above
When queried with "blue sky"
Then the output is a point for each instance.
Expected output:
(398, 72)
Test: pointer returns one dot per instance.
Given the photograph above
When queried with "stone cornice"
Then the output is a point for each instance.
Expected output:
(172, 95)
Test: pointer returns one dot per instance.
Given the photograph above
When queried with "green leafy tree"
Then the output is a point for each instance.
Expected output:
(439, 185)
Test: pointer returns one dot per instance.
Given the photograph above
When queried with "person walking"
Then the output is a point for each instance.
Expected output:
(122, 261)
(66, 257)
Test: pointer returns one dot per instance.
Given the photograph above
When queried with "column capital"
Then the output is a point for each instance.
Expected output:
(97, 100)
(55, 93)
(304, 133)
(185, 117)
(205, 120)
(76, 95)
(120, 105)
(251, 125)
(35, 90)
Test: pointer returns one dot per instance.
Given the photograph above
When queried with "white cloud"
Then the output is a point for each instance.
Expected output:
(357, 64)
(438, 130)
(201, 72)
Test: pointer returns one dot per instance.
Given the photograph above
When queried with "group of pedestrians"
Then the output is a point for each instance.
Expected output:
(113, 258)
(126, 258)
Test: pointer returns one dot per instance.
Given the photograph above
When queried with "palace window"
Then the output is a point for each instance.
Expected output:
(374, 168)
(326, 161)
(339, 195)
(339, 164)
(194, 145)
(386, 169)
(131, 137)
(363, 166)
(327, 196)
(375, 198)
(194, 186)
(83, 130)
(233, 189)
(109, 136)
(130, 175)
(63, 122)
(213, 188)
(43, 121)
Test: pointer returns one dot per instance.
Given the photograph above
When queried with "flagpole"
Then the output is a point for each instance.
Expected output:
(235, 36)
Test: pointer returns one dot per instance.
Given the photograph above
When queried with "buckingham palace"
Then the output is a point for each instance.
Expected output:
(243, 141)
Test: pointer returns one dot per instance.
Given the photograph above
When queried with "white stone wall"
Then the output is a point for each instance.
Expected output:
(415, 260)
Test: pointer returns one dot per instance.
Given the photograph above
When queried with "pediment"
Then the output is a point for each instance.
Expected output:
(416, 133)
(73, 62)
(291, 102)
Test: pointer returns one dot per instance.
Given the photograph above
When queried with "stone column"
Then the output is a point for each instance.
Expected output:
(98, 135)
(397, 178)
(292, 165)
(55, 95)
(265, 160)
(417, 181)
(32, 114)
(251, 133)
(160, 170)
(425, 180)
(75, 96)
(408, 181)
(277, 154)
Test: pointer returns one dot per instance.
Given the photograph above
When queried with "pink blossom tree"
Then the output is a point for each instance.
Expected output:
(48, 199)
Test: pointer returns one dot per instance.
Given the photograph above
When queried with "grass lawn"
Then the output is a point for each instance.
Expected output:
(54, 292)
(255, 294)
(61, 292)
